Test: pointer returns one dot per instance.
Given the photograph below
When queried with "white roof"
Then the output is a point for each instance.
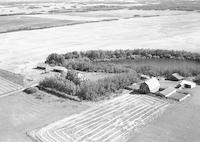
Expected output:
(188, 83)
(145, 76)
(59, 68)
(153, 84)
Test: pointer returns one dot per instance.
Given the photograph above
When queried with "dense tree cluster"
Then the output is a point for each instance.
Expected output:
(60, 84)
(94, 67)
(73, 76)
(101, 55)
(122, 61)
(104, 87)
(182, 5)
(89, 90)
(197, 79)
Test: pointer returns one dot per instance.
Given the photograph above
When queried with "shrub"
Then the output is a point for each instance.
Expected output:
(94, 66)
(197, 79)
(31, 90)
(89, 90)
(103, 87)
(73, 76)
(59, 84)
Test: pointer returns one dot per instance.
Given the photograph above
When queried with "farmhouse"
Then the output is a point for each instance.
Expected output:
(187, 84)
(150, 86)
(175, 77)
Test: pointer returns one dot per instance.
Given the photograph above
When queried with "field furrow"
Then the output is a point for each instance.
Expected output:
(110, 121)
(7, 86)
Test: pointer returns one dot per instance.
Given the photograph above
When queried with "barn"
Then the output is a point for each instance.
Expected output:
(187, 84)
(175, 77)
(150, 86)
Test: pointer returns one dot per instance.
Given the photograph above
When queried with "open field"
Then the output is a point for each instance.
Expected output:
(7, 86)
(179, 123)
(21, 113)
(111, 121)
(20, 51)
(15, 78)
(18, 23)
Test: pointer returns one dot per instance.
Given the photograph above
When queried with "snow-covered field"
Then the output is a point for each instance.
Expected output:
(19, 51)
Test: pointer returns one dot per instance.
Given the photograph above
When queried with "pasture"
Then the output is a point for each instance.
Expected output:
(112, 121)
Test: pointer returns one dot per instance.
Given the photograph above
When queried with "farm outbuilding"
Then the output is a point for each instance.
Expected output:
(168, 92)
(43, 66)
(179, 96)
(150, 86)
(187, 84)
(59, 69)
(144, 77)
(175, 77)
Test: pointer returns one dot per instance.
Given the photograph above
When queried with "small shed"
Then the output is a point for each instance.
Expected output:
(133, 86)
(144, 77)
(167, 92)
(151, 85)
(175, 77)
(81, 76)
(187, 84)
(41, 66)
(179, 96)
(59, 69)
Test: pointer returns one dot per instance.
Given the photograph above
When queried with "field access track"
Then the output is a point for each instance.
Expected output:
(112, 121)
(7, 87)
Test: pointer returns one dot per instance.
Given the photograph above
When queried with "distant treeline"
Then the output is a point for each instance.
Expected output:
(101, 55)
(182, 5)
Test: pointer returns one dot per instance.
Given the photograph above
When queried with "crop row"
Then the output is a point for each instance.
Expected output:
(110, 121)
